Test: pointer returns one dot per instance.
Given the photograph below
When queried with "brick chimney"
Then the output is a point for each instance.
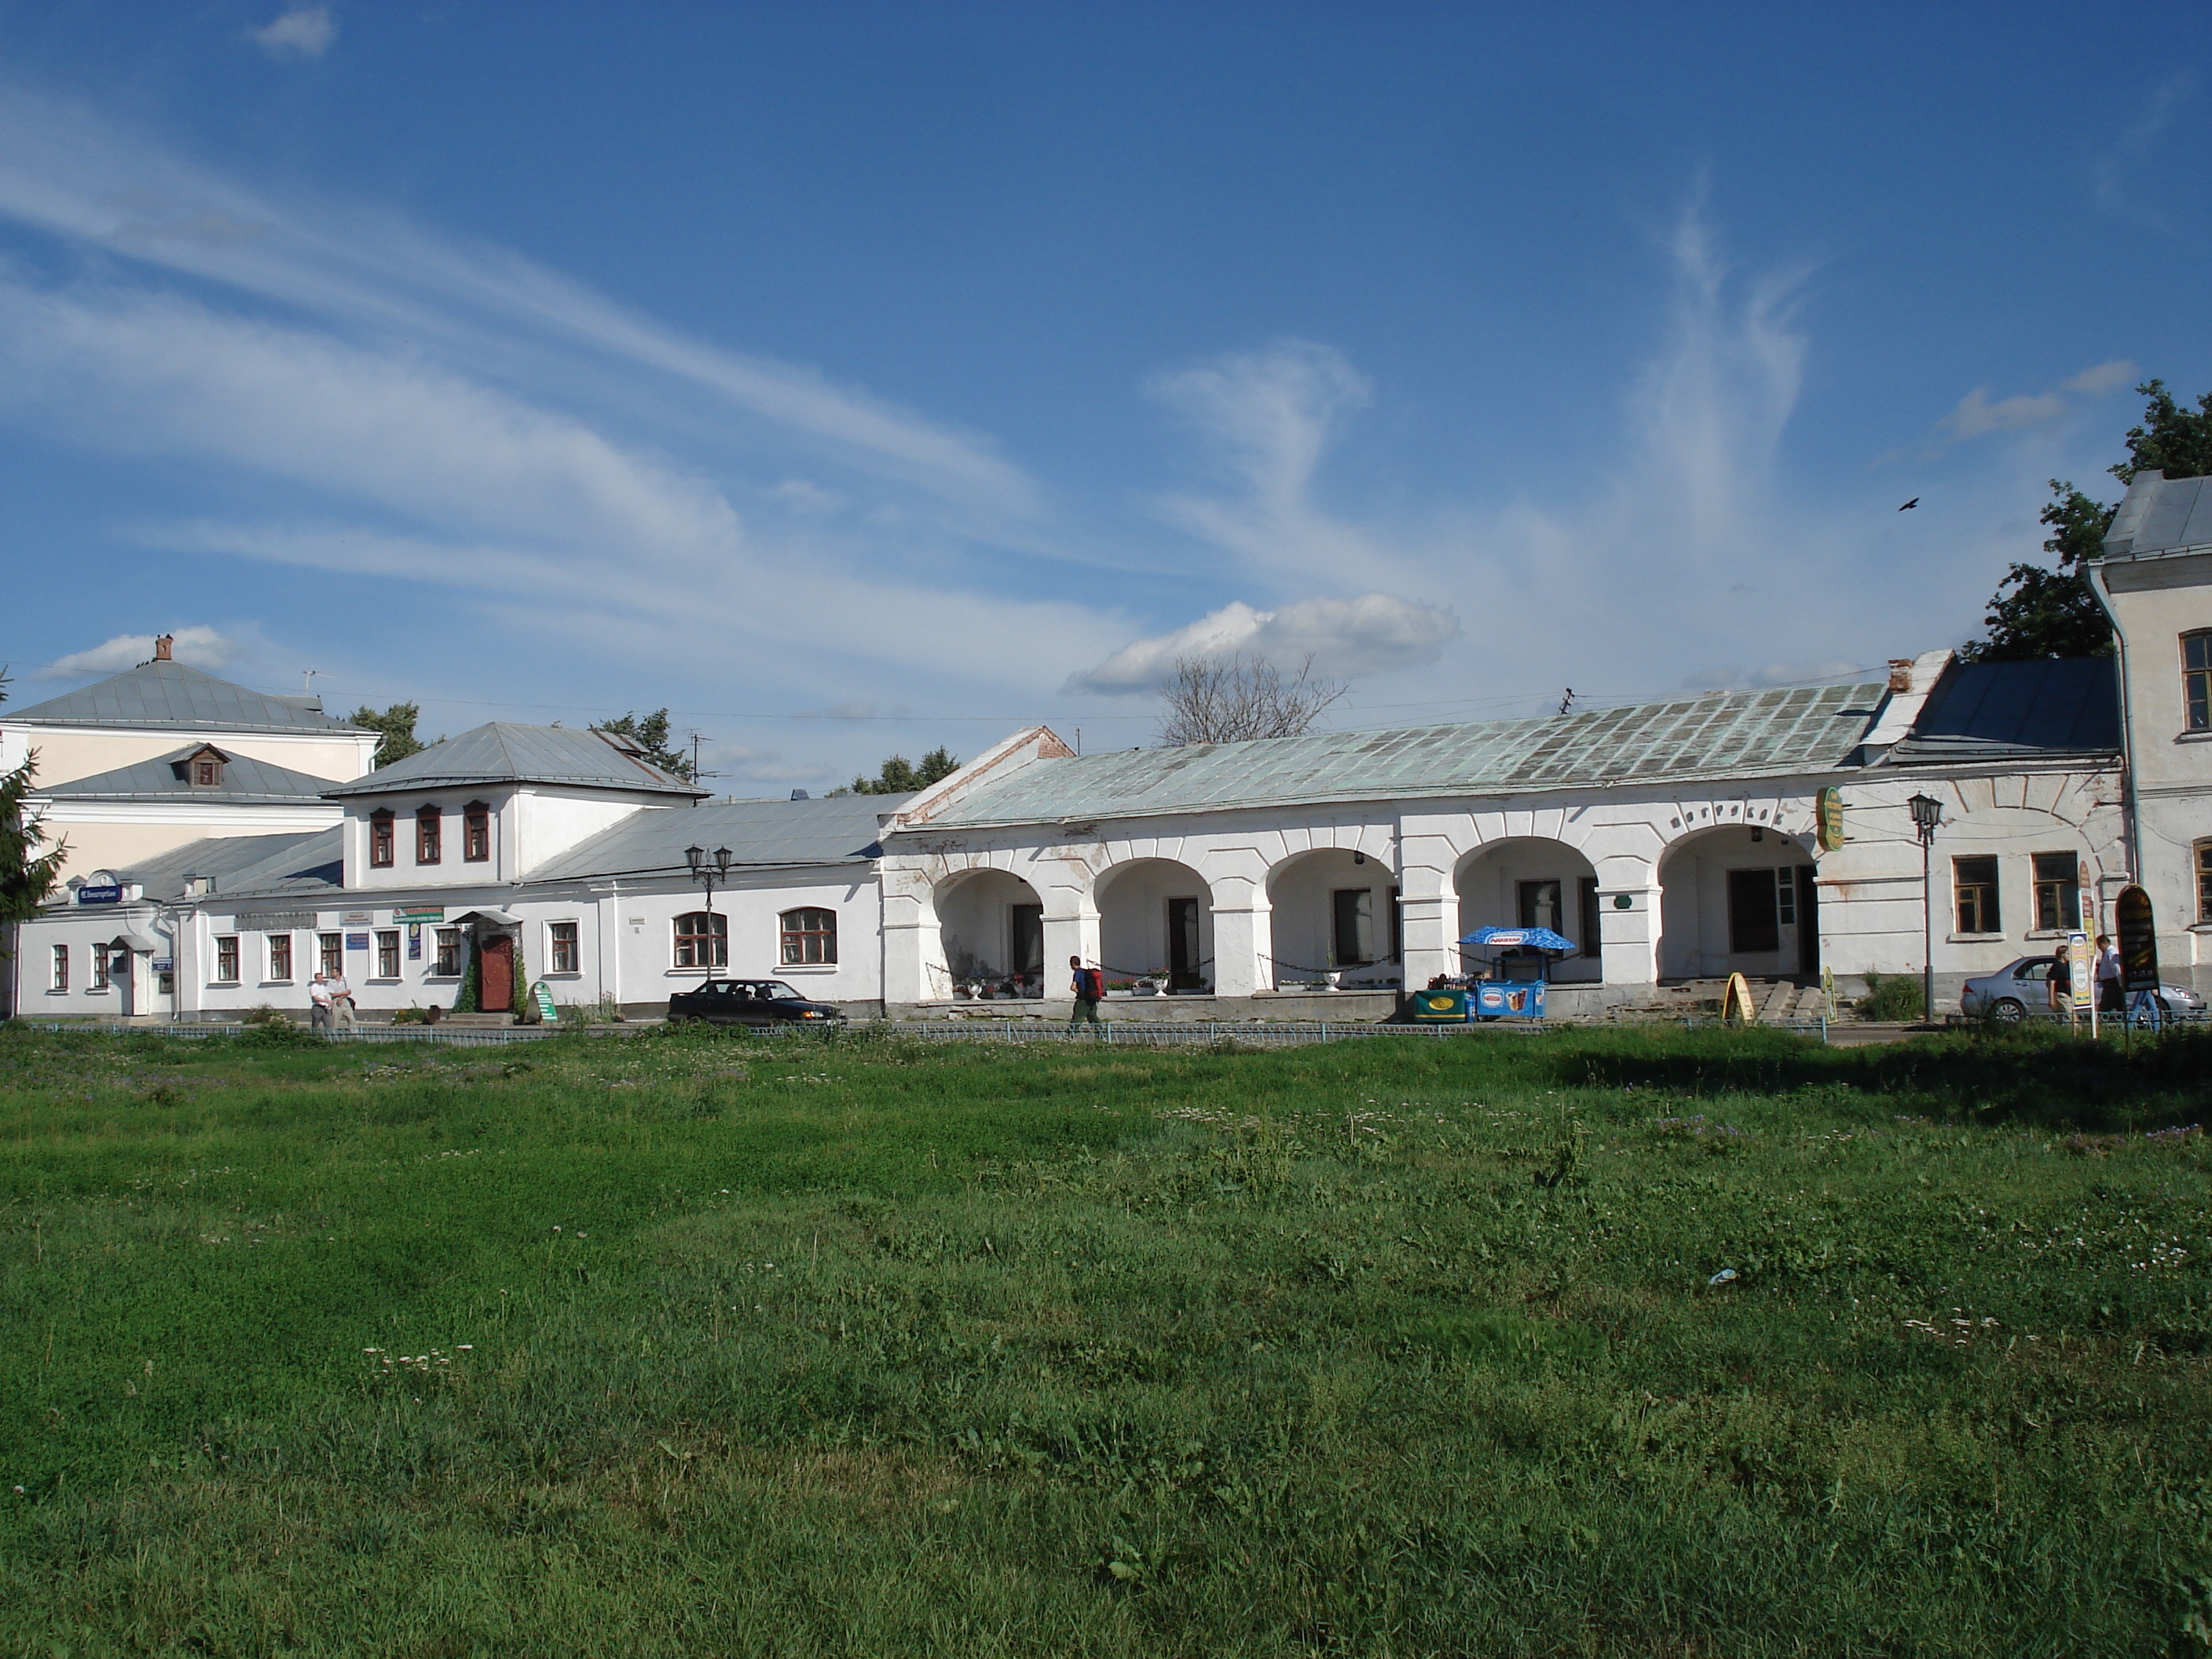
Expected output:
(1900, 673)
(161, 643)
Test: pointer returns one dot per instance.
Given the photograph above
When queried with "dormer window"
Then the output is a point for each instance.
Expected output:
(429, 835)
(380, 839)
(476, 832)
(202, 768)
(207, 773)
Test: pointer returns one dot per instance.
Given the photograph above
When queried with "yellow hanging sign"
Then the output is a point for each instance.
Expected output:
(1828, 809)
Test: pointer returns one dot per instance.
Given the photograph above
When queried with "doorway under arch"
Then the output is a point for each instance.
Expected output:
(1334, 911)
(1533, 881)
(990, 928)
(1156, 921)
(1738, 898)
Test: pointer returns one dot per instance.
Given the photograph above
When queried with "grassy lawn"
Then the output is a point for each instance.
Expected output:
(709, 1344)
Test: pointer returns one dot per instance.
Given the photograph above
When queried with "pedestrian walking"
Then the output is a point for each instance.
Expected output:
(2061, 984)
(1090, 992)
(319, 999)
(2110, 999)
(341, 1002)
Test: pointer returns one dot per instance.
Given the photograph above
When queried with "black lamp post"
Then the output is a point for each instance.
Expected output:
(705, 867)
(1927, 813)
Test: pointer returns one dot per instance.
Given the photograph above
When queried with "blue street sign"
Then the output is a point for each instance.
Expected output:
(99, 896)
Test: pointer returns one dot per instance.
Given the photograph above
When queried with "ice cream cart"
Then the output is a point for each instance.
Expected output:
(1516, 970)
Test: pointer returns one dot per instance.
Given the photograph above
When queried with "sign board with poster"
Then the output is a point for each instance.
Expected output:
(543, 996)
(2137, 927)
(2081, 975)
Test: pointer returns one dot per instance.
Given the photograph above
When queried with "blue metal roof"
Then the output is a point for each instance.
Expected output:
(1724, 735)
(246, 782)
(2014, 711)
(166, 696)
(832, 829)
(306, 862)
(502, 752)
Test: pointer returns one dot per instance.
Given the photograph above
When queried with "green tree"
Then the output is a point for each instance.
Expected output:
(2038, 613)
(900, 776)
(26, 875)
(650, 734)
(397, 725)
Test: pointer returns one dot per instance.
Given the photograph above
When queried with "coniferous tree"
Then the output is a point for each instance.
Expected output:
(650, 734)
(900, 776)
(26, 875)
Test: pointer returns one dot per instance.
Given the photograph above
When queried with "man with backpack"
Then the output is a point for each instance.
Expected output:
(1090, 992)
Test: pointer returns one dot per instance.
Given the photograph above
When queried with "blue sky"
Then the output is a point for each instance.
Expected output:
(855, 378)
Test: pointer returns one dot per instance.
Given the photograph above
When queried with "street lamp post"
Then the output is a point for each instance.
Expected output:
(1927, 813)
(705, 867)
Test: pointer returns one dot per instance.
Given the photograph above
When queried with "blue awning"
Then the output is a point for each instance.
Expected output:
(1519, 939)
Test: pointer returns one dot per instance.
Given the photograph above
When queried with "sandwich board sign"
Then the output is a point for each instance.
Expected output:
(2138, 930)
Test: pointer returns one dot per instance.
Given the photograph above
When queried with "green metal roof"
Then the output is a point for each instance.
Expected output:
(1728, 735)
(164, 695)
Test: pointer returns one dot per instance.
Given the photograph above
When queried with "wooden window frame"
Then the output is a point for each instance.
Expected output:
(2050, 892)
(564, 947)
(2204, 861)
(1352, 918)
(1977, 905)
(476, 832)
(712, 927)
(807, 937)
(277, 955)
(61, 968)
(429, 835)
(226, 959)
(330, 954)
(387, 953)
(383, 839)
(101, 955)
(452, 960)
(2197, 680)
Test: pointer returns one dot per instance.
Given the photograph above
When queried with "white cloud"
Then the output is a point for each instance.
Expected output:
(202, 647)
(1344, 638)
(1976, 415)
(302, 31)
(2101, 378)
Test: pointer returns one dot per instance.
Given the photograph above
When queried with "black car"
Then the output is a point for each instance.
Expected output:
(749, 1002)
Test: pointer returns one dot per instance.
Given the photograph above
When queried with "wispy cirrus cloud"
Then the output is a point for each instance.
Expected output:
(1978, 413)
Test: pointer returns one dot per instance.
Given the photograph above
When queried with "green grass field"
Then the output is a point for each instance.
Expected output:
(686, 1345)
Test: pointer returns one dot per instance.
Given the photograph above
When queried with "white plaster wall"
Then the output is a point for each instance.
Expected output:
(645, 934)
(974, 916)
(452, 870)
(541, 823)
(1300, 893)
(1693, 877)
(69, 752)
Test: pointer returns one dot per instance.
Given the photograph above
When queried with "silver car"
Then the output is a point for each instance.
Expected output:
(2023, 988)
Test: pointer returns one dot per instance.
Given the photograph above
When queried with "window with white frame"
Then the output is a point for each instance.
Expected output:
(280, 956)
(808, 935)
(61, 968)
(702, 939)
(449, 953)
(226, 958)
(330, 954)
(562, 948)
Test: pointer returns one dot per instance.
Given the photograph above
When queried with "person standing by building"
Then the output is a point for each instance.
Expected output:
(341, 1001)
(1090, 992)
(2061, 984)
(2110, 999)
(319, 998)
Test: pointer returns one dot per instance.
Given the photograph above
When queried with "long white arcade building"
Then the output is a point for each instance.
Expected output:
(224, 845)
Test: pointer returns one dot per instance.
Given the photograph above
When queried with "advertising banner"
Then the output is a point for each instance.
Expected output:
(2138, 931)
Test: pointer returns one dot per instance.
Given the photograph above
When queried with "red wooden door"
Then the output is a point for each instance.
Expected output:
(497, 995)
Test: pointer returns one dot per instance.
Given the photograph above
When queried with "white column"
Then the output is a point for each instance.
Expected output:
(1074, 933)
(1243, 935)
(606, 917)
(911, 947)
(1629, 933)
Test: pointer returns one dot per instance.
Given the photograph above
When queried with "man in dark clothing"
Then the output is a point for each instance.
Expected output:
(2110, 998)
(1090, 992)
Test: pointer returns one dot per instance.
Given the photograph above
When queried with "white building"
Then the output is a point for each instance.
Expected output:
(1761, 832)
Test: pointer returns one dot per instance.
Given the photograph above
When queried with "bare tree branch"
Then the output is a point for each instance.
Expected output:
(1216, 702)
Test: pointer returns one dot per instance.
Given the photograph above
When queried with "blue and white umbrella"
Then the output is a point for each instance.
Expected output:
(1519, 939)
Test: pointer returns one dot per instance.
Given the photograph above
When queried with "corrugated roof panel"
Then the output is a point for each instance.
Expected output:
(1738, 733)
(246, 782)
(832, 830)
(502, 752)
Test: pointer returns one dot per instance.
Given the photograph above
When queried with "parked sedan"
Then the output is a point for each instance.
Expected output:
(749, 1002)
(2023, 988)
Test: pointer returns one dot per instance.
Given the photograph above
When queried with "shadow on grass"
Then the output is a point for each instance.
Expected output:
(1991, 1074)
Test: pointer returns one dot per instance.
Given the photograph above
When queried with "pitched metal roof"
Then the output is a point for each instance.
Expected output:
(246, 782)
(246, 867)
(2160, 515)
(2016, 711)
(832, 829)
(1725, 735)
(166, 696)
(501, 753)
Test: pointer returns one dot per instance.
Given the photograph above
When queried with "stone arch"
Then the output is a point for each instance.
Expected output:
(990, 928)
(1737, 898)
(1534, 881)
(1155, 920)
(1334, 911)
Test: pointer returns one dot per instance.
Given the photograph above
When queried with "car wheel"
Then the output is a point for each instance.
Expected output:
(2006, 1012)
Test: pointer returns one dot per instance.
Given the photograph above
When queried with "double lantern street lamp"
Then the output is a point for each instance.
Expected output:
(705, 867)
(1927, 813)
